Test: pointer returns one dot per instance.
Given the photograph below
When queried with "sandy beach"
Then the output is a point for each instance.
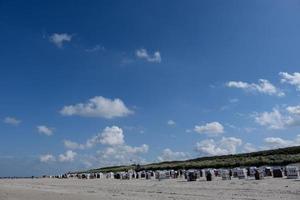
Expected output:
(48, 189)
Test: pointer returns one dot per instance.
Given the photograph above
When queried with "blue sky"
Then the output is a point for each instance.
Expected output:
(98, 83)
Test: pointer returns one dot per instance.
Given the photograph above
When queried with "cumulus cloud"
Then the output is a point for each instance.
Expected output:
(227, 145)
(109, 136)
(169, 155)
(292, 79)
(112, 136)
(171, 123)
(12, 121)
(98, 107)
(58, 39)
(263, 86)
(115, 151)
(274, 119)
(47, 158)
(69, 156)
(276, 142)
(136, 150)
(212, 129)
(293, 110)
(122, 154)
(73, 145)
(45, 130)
(143, 54)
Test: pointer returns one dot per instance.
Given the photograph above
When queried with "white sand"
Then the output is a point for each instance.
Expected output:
(103, 189)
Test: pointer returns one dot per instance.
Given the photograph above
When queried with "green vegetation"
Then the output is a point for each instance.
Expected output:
(282, 156)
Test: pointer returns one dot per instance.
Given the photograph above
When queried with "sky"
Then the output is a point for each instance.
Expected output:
(87, 84)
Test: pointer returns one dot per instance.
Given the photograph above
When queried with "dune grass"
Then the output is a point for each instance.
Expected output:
(282, 156)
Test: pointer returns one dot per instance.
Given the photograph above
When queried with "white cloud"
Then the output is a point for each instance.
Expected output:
(60, 38)
(171, 123)
(248, 147)
(116, 151)
(292, 79)
(112, 136)
(98, 107)
(69, 156)
(122, 154)
(12, 121)
(263, 86)
(136, 150)
(143, 54)
(212, 129)
(238, 84)
(109, 136)
(274, 119)
(73, 145)
(276, 142)
(47, 158)
(169, 155)
(45, 130)
(293, 110)
(227, 145)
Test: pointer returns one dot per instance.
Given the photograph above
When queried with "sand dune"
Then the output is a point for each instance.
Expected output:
(75, 189)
